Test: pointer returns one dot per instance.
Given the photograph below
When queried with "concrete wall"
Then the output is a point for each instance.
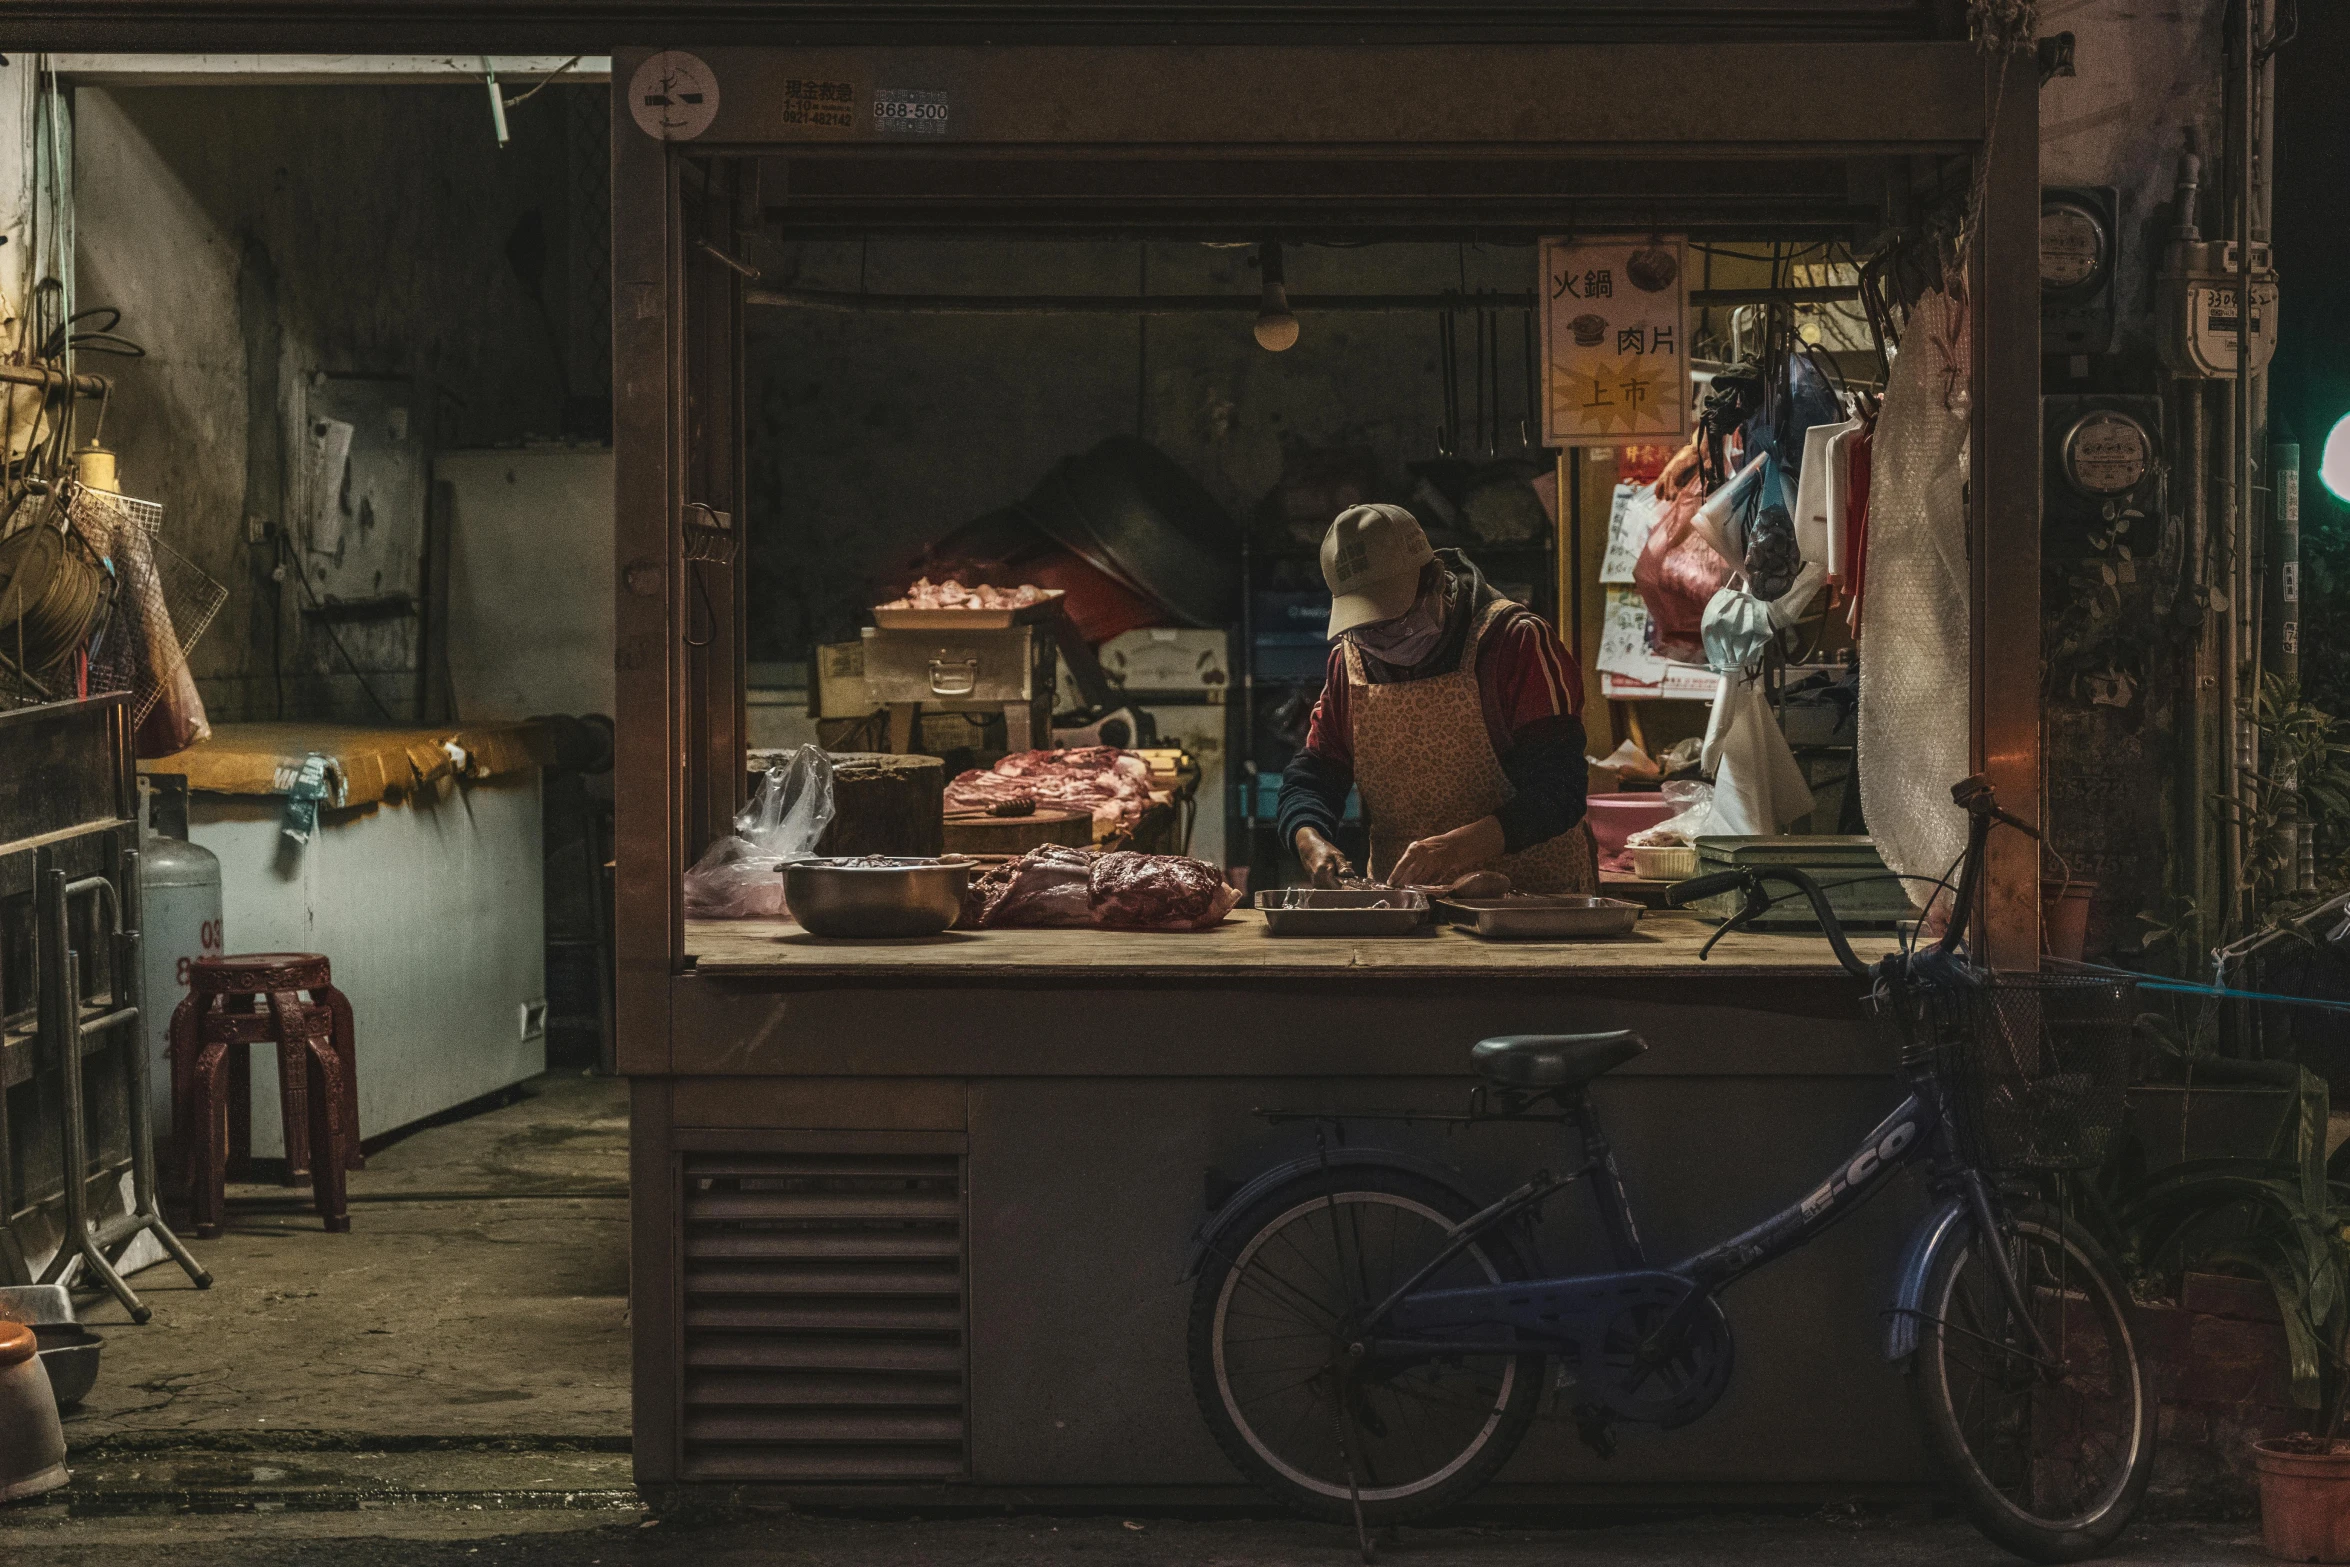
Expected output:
(2142, 74)
(255, 238)
(2145, 73)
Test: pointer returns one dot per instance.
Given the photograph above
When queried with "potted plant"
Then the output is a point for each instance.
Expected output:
(2283, 1221)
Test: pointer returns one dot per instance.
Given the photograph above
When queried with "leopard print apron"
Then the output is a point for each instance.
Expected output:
(1425, 764)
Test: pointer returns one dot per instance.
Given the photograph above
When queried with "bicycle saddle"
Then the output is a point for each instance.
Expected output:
(1554, 1060)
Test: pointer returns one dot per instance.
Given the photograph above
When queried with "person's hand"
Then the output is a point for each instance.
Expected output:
(1325, 865)
(1448, 856)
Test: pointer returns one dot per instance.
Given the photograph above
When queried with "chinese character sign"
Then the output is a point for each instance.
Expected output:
(1615, 336)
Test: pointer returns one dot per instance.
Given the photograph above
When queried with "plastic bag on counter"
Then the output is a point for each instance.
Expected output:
(741, 876)
(1692, 800)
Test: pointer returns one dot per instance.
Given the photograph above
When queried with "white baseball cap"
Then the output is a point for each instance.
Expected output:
(1371, 559)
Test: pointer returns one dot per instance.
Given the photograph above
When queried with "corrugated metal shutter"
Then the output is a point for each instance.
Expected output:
(824, 1317)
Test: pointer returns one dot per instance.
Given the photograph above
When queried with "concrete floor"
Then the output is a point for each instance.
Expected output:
(481, 1293)
(456, 1536)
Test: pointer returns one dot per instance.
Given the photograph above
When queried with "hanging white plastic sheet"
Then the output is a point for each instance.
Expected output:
(1915, 670)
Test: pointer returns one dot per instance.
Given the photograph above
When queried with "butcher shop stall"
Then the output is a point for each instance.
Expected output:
(982, 419)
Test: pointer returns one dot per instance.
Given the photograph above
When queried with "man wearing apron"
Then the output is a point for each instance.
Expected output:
(1454, 711)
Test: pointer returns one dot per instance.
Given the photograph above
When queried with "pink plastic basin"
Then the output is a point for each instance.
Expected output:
(1615, 817)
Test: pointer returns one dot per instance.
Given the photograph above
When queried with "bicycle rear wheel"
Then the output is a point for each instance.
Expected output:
(1272, 1319)
(2048, 1459)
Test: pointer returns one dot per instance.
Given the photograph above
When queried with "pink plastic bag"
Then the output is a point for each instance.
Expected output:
(1678, 573)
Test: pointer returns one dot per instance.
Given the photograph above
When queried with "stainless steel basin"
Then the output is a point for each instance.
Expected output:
(875, 896)
(69, 1353)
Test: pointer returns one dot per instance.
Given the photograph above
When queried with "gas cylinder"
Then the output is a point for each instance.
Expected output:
(179, 897)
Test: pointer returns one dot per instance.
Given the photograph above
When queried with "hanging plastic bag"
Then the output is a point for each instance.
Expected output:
(1773, 559)
(741, 876)
(1758, 785)
(1678, 573)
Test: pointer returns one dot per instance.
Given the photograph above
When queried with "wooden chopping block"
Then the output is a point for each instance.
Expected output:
(886, 804)
(976, 833)
(881, 804)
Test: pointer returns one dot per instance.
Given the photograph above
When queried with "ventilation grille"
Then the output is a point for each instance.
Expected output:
(824, 1317)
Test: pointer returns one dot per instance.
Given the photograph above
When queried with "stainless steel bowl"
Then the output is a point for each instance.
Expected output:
(871, 896)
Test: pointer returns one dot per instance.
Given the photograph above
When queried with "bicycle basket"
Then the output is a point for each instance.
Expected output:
(2034, 1067)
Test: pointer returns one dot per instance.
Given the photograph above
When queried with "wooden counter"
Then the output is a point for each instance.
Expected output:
(1664, 946)
(1065, 1107)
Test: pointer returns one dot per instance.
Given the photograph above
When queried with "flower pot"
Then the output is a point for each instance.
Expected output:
(2304, 1499)
(2064, 917)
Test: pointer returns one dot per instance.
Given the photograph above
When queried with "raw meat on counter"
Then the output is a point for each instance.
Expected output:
(950, 594)
(1111, 785)
(1159, 892)
(1049, 885)
(1055, 885)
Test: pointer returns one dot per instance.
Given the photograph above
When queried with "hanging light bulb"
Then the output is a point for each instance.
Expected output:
(1276, 327)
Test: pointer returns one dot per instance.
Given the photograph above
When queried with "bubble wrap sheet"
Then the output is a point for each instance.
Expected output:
(1915, 702)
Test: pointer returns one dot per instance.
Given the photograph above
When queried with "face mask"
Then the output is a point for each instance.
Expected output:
(1410, 638)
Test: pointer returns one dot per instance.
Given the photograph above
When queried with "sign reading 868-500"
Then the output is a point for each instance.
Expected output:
(907, 111)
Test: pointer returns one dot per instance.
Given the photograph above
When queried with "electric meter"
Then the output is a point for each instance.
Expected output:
(2075, 248)
(2106, 453)
(2199, 294)
(2079, 250)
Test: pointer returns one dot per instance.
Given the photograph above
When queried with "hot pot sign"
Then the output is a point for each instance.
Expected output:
(1615, 340)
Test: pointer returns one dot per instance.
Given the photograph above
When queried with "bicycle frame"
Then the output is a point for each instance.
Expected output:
(1554, 1314)
(1551, 1313)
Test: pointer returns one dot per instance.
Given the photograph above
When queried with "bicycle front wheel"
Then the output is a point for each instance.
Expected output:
(2049, 1456)
(1272, 1320)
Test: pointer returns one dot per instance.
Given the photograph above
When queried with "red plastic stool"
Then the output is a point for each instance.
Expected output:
(232, 1004)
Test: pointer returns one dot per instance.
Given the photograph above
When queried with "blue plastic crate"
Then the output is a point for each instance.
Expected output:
(1269, 799)
(1281, 611)
(1302, 656)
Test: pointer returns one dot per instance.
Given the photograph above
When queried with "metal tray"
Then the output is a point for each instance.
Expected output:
(1328, 911)
(1527, 916)
(967, 619)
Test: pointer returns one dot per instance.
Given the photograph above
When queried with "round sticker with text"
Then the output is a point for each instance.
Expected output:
(674, 96)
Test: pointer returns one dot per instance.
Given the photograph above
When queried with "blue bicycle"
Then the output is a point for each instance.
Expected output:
(1369, 1341)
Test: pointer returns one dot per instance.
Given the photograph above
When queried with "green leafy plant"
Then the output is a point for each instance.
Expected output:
(2279, 1219)
(2180, 926)
(2097, 649)
(2304, 777)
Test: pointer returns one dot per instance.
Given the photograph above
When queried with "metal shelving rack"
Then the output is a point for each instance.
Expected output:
(68, 836)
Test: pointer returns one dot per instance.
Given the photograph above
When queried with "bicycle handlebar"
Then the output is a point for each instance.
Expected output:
(1681, 893)
(1757, 901)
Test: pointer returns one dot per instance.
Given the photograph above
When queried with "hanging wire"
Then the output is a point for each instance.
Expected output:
(2005, 28)
(520, 99)
(62, 241)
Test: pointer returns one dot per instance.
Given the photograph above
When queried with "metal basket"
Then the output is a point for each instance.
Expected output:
(2034, 1067)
